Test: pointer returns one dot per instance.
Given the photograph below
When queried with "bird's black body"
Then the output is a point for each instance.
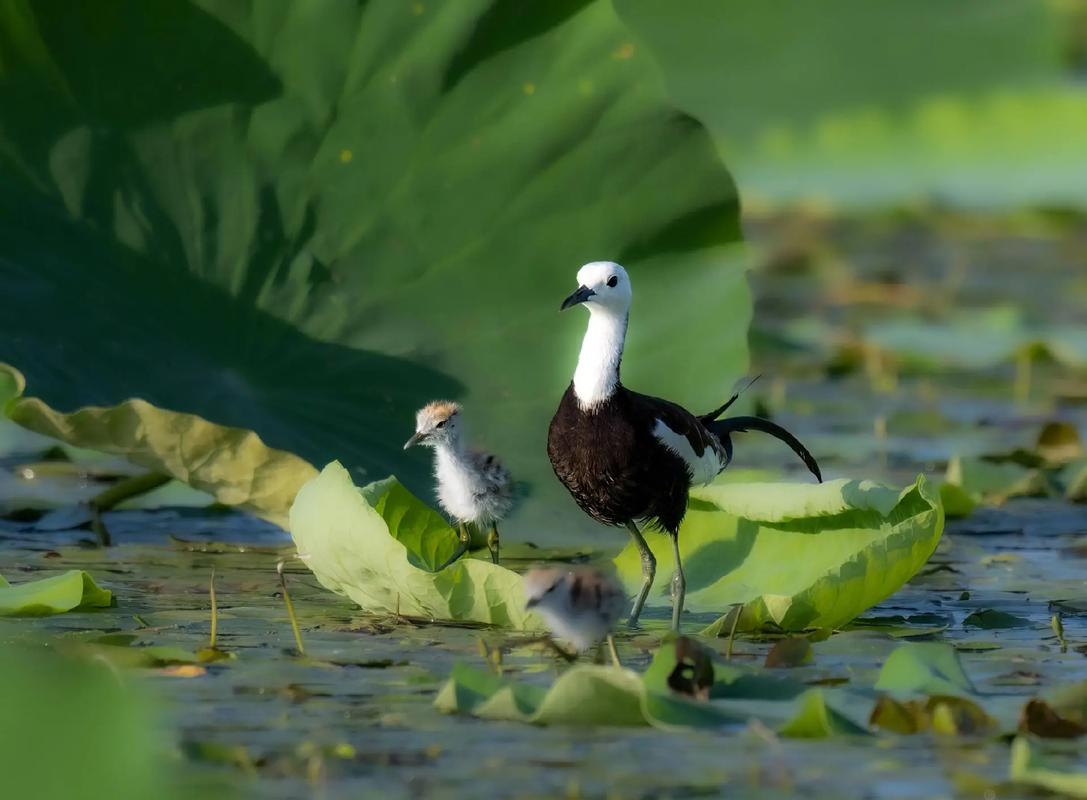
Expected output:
(626, 457)
(618, 471)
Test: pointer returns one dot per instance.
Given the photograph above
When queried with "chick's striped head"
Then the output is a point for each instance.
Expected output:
(436, 423)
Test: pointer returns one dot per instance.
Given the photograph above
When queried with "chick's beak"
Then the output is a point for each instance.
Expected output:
(532, 602)
(582, 294)
(416, 437)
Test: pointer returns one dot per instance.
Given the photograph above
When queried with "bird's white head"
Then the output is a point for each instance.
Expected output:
(436, 424)
(603, 288)
(602, 285)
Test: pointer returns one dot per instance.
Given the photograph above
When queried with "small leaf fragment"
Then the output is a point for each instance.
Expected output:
(993, 619)
(1041, 719)
(792, 651)
(693, 672)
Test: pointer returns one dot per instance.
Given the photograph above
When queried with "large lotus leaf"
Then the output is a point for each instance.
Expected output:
(796, 555)
(835, 100)
(379, 546)
(54, 595)
(232, 464)
(307, 219)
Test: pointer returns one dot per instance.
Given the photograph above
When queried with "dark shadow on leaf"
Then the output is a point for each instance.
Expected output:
(92, 322)
(506, 24)
(715, 560)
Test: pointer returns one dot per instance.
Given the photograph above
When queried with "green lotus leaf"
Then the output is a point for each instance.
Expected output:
(306, 220)
(925, 668)
(54, 595)
(957, 502)
(231, 464)
(1029, 766)
(598, 695)
(379, 545)
(583, 695)
(995, 619)
(730, 681)
(995, 481)
(796, 555)
(815, 719)
(813, 102)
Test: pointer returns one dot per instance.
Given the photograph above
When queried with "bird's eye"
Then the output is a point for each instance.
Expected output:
(441, 424)
(614, 279)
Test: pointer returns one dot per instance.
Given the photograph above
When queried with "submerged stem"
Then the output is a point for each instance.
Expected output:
(108, 499)
(214, 611)
(732, 632)
(290, 610)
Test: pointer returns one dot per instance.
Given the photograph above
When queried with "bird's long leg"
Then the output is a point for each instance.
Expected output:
(492, 542)
(462, 546)
(649, 570)
(679, 584)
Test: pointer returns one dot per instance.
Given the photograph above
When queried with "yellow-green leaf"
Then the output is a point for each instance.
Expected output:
(231, 464)
(378, 546)
(53, 595)
(797, 555)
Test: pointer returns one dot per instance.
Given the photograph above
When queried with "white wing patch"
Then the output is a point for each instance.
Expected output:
(704, 469)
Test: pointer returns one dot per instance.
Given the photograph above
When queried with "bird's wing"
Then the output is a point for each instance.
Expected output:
(492, 470)
(680, 431)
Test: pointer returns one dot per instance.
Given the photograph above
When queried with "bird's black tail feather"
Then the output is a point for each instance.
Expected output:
(723, 427)
(705, 418)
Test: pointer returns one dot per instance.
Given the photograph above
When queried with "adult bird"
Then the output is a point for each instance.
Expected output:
(628, 458)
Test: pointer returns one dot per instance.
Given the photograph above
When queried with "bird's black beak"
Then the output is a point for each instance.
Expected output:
(414, 440)
(532, 602)
(582, 294)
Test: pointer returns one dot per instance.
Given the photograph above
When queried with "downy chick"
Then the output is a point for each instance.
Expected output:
(580, 605)
(473, 487)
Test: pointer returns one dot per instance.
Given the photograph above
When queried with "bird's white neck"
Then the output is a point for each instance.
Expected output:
(450, 451)
(597, 375)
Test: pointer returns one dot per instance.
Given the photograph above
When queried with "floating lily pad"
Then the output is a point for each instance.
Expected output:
(817, 720)
(995, 481)
(379, 546)
(796, 555)
(595, 695)
(54, 595)
(958, 502)
(926, 668)
(994, 619)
